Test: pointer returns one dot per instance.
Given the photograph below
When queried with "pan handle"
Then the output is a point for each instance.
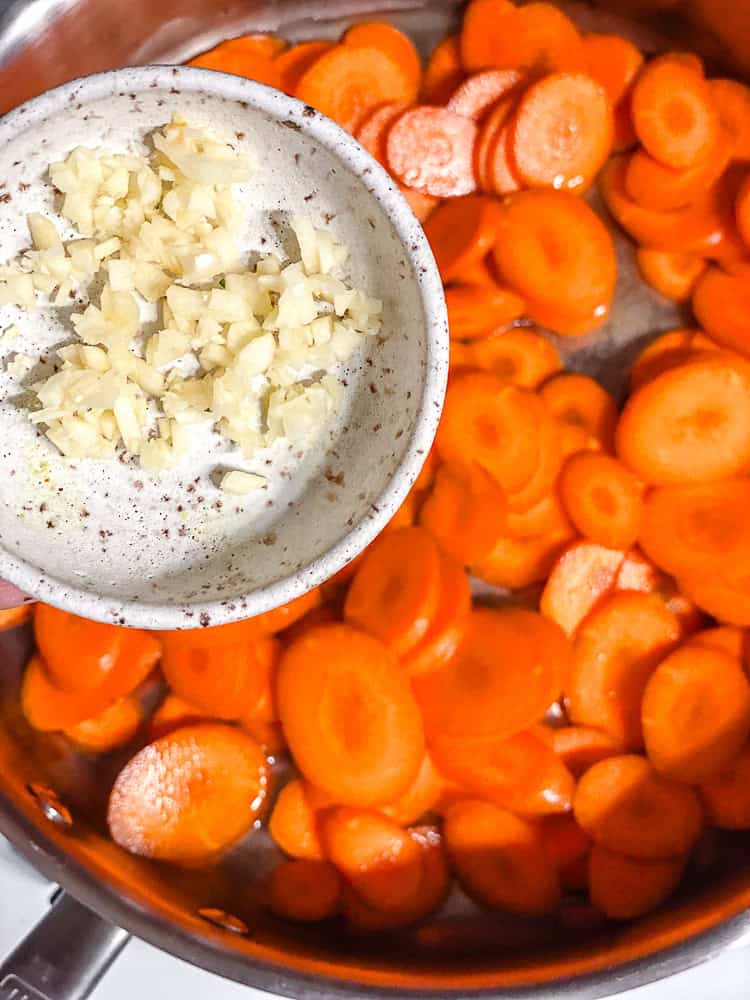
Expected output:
(63, 957)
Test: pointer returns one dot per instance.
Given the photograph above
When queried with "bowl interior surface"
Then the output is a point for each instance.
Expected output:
(113, 543)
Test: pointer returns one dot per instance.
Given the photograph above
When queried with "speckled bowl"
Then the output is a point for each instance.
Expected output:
(106, 540)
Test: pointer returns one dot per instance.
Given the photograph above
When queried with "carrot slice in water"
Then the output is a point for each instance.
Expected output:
(189, 795)
(421, 204)
(584, 573)
(727, 598)
(394, 43)
(580, 747)
(294, 62)
(432, 149)
(518, 562)
(536, 36)
(662, 188)
(506, 672)
(522, 355)
(726, 796)
(13, 617)
(617, 648)
(347, 82)
(602, 498)
(520, 773)
(476, 310)
(637, 572)
(670, 349)
(564, 841)
(421, 797)
(728, 638)
(475, 95)
(500, 859)
(462, 232)
(447, 628)
(696, 713)
(286, 614)
(613, 61)
(732, 100)
(674, 113)
(492, 160)
(49, 708)
(562, 131)
(624, 888)
(673, 275)
(392, 598)
(251, 56)
(443, 71)
(580, 401)
(689, 424)
(113, 727)
(374, 128)
(549, 460)
(721, 303)
(625, 805)
(293, 823)
(304, 890)
(553, 249)
(81, 655)
(465, 512)
(349, 716)
(173, 713)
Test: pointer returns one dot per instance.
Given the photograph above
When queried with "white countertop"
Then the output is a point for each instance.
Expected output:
(148, 974)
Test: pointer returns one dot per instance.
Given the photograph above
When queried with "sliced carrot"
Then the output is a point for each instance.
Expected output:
(662, 188)
(536, 36)
(346, 82)
(518, 562)
(447, 627)
(574, 438)
(443, 71)
(378, 858)
(674, 113)
(221, 670)
(742, 210)
(500, 859)
(428, 893)
(624, 888)
(81, 655)
(476, 310)
(394, 43)
(540, 485)
(173, 713)
(673, 275)
(421, 204)
(304, 890)
(727, 638)
(602, 498)
(421, 797)
(295, 61)
(374, 128)
(475, 95)
(351, 721)
(392, 598)
(579, 400)
(522, 355)
(617, 648)
(286, 614)
(13, 617)
(462, 232)
(732, 100)
(726, 796)
(268, 735)
(562, 131)
(495, 424)
(252, 56)
(492, 155)
(189, 795)
(553, 249)
(696, 713)
(583, 574)
(695, 529)
(115, 726)
(520, 773)
(721, 302)
(564, 321)
(546, 517)
(564, 841)
(627, 806)
(49, 708)
(700, 228)
(690, 424)
(432, 149)
(506, 672)
(580, 747)
(727, 598)
(637, 572)
(293, 823)
(613, 61)
(670, 349)
(465, 512)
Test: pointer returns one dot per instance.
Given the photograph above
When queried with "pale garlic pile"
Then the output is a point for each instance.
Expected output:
(249, 350)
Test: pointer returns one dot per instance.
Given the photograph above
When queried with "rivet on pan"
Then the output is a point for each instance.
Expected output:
(227, 921)
(51, 805)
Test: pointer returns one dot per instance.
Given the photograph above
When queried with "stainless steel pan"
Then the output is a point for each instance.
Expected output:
(52, 800)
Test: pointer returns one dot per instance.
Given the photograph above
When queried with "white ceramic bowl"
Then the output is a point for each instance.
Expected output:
(107, 541)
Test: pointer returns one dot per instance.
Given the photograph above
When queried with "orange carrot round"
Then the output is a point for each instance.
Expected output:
(720, 304)
(374, 128)
(580, 747)
(613, 61)
(304, 890)
(351, 721)
(293, 823)
(580, 400)
(583, 574)
(252, 56)
(431, 149)
(295, 61)
(394, 43)
(448, 624)
(171, 714)
(522, 355)
(726, 796)
(475, 95)
(476, 310)
(464, 512)
(115, 726)
(461, 232)
(732, 100)
(673, 275)
(443, 71)
(537, 36)
(602, 498)
(624, 888)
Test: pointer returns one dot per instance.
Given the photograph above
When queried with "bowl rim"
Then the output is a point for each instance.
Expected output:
(343, 147)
